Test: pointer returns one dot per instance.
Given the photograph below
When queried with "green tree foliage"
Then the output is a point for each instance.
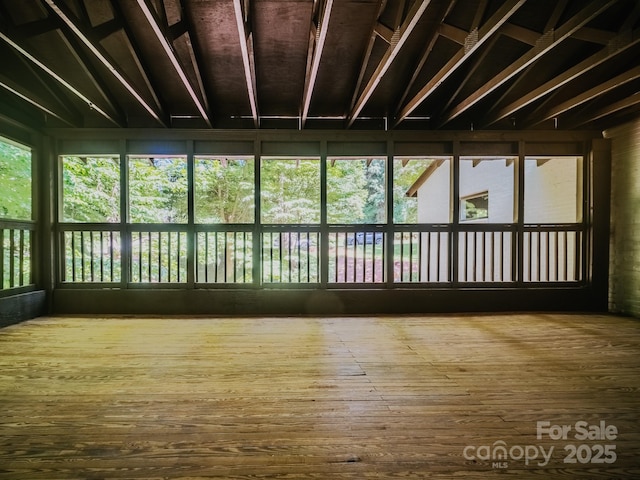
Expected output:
(15, 182)
(91, 189)
(375, 207)
(158, 190)
(347, 191)
(224, 190)
(290, 191)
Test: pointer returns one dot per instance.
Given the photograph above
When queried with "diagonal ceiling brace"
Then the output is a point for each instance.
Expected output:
(592, 93)
(86, 100)
(610, 109)
(248, 61)
(102, 56)
(399, 38)
(546, 43)
(475, 40)
(312, 75)
(37, 102)
(173, 58)
(617, 46)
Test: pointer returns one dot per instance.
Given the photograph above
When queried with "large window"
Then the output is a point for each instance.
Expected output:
(91, 189)
(487, 188)
(261, 221)
(15, 178)
(552, 189)
(157, 189)
(552, 197)
(224, 195)
(224, 189)
(16, 214)
(421, 190)
(356, 190)
(290, 190)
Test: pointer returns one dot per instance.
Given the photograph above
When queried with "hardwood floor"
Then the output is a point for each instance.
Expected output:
(321, 398)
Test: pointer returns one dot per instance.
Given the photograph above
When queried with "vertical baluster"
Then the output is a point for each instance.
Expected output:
(245, 236)
(235, 249)
(530, 254)
(21, 258)
(206, 256)
(139, 256)
(493, 239)
(12, 258)
(82, 259)
(344, 258)
(111, 257)
(2, 258)
(91, 257)
(101, 255)
(565, 270)
(216, 236)
(173, 258)
(438, 255)
(556, 256)
(482, 251)
(73, 256)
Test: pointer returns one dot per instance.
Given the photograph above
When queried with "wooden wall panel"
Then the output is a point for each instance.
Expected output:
(624, 282)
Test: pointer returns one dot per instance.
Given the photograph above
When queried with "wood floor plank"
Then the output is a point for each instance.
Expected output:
(319, 398)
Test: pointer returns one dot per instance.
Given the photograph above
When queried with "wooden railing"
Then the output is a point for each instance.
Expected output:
(16, 254)
(92, 256)
(353, 255)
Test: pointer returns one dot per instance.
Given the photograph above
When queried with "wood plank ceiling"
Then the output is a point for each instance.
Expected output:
(305, 64)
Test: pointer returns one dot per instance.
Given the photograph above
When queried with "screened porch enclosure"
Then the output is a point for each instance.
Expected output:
(321, 213)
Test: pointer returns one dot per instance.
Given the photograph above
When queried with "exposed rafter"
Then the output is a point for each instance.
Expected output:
(173, 59)
(367, 54)
(545, 44)
(134, 51)
(51, 72)
(67, 17)
(475, 40)
(37, 102)
(321, 35)
(620, 44)
(591, 94)
(399, 38)
(248, 60)
(427, 51)
(610, 109)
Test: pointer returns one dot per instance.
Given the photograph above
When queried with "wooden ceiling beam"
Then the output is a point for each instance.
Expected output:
(594, 35)
(426, 52)
(312, 74)
(248, 60)
(610, 109)
(101, 55)
(519, 33)
(454, 34)
(617, 46)
(474, 41)
(545, 44)
(53, 74)
(400, 36)
(367, 55)
(590, 94)
(384, 32)
(44, 106)
(174, 60)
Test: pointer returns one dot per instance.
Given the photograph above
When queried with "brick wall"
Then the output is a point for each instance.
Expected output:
(624, 271)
